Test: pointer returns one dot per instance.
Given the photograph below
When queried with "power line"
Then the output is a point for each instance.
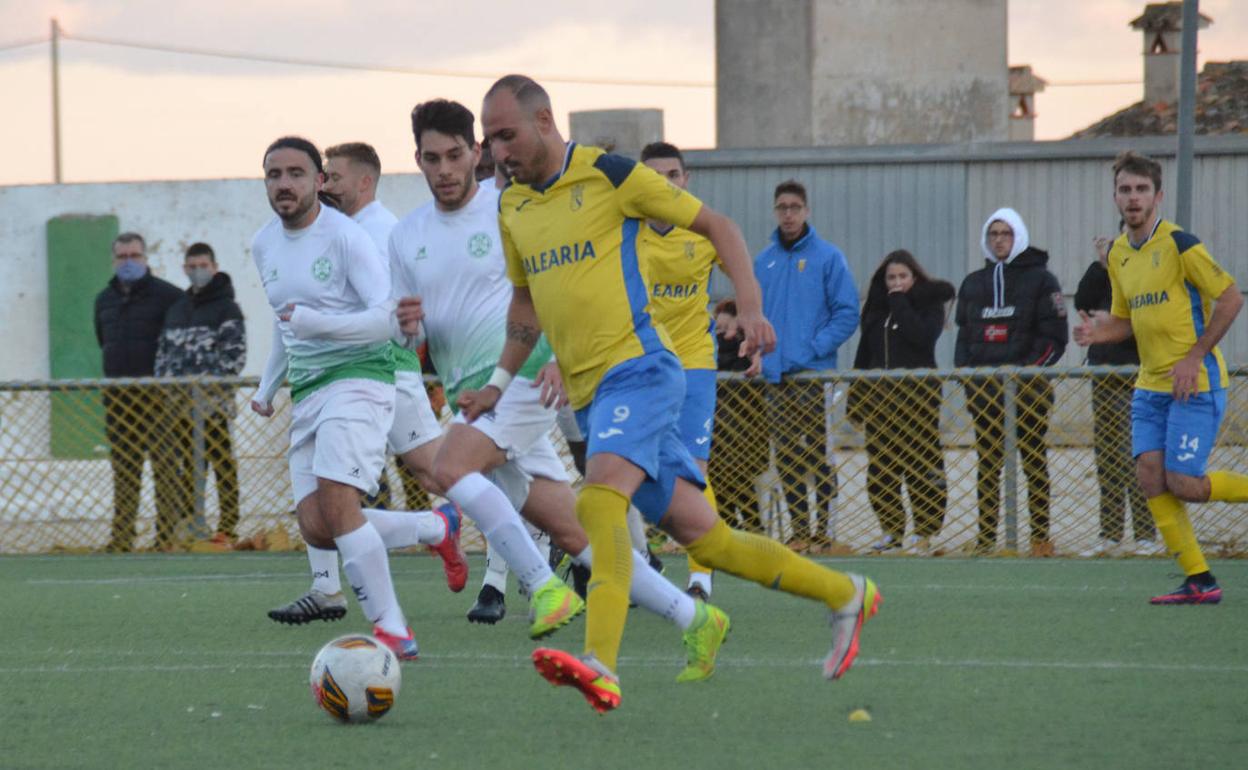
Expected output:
(23, 44)
(1080, 83)
(325, 64)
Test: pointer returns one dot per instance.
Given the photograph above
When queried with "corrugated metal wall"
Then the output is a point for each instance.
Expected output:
(933, 201)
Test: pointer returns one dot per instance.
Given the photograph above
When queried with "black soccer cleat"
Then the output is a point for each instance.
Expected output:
(489, 608)
(314, 605)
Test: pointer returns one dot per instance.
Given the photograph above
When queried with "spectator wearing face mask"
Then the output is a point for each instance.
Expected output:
(204, 335)
(129, 314)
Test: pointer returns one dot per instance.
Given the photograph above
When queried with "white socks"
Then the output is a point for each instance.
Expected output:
(637, 530)
(653, 592)
(367, 565)
(498, 521)
(324, 566)
(400, 529)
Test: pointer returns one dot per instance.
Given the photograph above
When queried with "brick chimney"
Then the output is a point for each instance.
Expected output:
(1162, 24)
(1024, 85)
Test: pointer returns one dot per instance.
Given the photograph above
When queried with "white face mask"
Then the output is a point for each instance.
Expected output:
(200, 276)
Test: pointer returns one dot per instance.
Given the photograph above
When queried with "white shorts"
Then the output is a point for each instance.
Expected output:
(415, 424)
(567, 423)
(520, 425)
(339, 433)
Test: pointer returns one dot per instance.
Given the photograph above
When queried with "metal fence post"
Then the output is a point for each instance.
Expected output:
(1010, 447)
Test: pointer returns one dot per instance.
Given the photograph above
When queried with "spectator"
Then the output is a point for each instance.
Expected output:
(1011, 313)
(742, 452)
(810, 297)
(1111, 423)
(129, 313)
(902, 318)
(203, 334)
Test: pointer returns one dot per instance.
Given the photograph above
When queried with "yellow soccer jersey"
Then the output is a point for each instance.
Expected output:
(679, 264)
(573, 242)
(1166, 288)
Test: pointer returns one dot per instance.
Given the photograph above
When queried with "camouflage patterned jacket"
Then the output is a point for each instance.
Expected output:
(203, 333)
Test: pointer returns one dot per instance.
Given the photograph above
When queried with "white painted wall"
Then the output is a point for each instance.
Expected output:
(170, 215)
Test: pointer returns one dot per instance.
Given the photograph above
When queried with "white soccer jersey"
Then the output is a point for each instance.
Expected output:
(454, 261)
(378, 221)
(339, 284)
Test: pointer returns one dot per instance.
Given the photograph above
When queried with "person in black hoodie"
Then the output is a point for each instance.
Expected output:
(129, 314)
(204, 334)
(902, 318)
(1011, 313)
(1111, 424)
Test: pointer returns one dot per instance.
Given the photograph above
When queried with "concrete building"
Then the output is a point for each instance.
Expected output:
(1162, 25)
(619, 131)
(1024, 85)
(860, 72)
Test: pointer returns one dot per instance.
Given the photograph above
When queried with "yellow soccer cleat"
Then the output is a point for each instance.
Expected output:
(553, 606)
(702, 642)
(600, 687)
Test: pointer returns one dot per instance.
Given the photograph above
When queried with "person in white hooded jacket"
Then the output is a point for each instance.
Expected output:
(1011, 313)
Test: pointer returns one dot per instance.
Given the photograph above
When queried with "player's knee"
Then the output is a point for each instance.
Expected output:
(447, 473)
(1189, 489)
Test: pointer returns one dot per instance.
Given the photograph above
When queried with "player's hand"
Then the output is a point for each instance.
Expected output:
(1085, 331)
(551, 383)
(1186, 376)
(756, 365)
(262, 408)
(726, 326)
(410, 313)
(759, 336)
(474, 403)
(1102, 244)
(285, 313)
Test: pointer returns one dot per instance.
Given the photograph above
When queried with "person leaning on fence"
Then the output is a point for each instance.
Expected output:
(1111, 424)
(742, 451)
(810, 297)
(902, 318)
(204, 335)
(1011, 313)
(129, 314)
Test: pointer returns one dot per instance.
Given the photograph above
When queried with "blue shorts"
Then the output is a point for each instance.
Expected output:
(633, 414)
(1184, 430)
(697, 412)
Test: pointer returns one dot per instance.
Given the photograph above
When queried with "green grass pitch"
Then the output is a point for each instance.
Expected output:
(170, 662)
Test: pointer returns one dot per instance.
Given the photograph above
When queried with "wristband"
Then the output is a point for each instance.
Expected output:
(500, 379)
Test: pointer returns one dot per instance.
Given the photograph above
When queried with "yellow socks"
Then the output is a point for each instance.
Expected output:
(1176, 529)
(603, 512)
(1228, 486)
(694, 567)
(769, 564)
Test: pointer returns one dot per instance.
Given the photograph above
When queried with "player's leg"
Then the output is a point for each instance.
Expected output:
(1035, 401)
(697, 425)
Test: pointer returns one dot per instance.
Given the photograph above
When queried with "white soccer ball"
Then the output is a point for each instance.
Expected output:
(355, 678)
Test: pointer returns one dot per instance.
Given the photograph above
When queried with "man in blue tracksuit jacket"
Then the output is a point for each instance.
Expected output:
(810, 298)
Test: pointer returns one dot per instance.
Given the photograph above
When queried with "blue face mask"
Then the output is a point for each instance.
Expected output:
(130, 271)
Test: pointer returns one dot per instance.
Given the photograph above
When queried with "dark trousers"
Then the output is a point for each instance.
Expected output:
(138, 429)
(902, 431)
(219, 455)
(740, 452)
(1115, 467)
(798, 423)
(986, 402)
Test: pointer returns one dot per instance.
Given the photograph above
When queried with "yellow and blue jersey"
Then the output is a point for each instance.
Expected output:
(1166, 288)
(679, 264)
(573, 241)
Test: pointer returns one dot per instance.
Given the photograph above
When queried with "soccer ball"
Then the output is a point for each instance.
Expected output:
(355, 678)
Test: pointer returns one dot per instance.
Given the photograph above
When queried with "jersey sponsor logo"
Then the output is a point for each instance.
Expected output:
(421, 253)
(675, 291)
(524, 203)
(557, 257)
(688, 249)
(322, 269)
(801, 265)
(996, 333)
(609, 432)
(479, 244)
(1156, 259)
(578, 197)
(1148, 299)
(997, 312)
(702, 440)
(269, 277)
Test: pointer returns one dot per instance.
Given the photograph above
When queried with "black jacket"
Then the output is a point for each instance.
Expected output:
(128, 323)
(900, 329)
(203, 333)
(1095, 293)
(1025, 326)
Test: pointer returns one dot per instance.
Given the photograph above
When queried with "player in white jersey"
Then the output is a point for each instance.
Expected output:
(449, 273)
(329, 289)
(352, 170)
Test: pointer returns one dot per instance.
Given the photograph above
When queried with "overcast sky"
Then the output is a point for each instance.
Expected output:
(135, 114)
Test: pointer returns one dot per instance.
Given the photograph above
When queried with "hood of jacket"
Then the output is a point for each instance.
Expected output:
(219, 288)
(1021, 239)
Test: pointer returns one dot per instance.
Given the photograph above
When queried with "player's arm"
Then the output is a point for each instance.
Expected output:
(272, 377)
(729, 244)
(523, 331)
(409, 310)
(369, 275)
(1186, 373)
(1099, 327)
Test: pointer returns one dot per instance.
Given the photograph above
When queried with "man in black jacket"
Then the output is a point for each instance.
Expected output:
(1011, 313)
(129, 313)
(204, 334)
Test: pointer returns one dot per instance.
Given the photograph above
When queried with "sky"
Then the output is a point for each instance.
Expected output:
(130, 114)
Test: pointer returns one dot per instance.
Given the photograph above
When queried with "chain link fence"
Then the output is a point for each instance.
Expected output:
(927, 462)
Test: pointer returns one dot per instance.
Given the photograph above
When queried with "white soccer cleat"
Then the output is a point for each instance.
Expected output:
(847, 625)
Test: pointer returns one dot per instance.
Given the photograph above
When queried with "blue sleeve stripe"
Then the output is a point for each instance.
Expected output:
(1198, 324)
(1184, 241)
(635, 288)
(616, 168)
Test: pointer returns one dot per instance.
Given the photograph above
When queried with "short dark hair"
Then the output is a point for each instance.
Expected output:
(358, 152)
(792, 187)
(198, 249)
(526, 90)
(130, 237)
(662, 150)
(1140, 165)
(296, 143)
(445, 117)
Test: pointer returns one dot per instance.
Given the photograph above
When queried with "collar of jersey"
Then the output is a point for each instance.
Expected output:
(662, 233)
(1151, 235)
(567, 159)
